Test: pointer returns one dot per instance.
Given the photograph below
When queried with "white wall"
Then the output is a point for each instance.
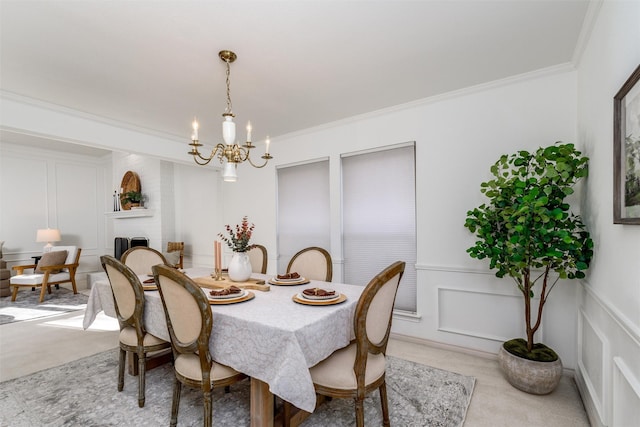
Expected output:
(458, 138)
(608, 371)
(41, 189)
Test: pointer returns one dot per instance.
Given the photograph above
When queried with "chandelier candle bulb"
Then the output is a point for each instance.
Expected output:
(249, 131)
(194, 136)
(267, 142)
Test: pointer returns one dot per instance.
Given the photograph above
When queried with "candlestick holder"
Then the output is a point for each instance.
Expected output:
(217, 274)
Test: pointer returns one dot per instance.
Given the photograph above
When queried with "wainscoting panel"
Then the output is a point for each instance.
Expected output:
(77, 206)
(472, 313)
(626, 395)
(593, 348)
(608, 371)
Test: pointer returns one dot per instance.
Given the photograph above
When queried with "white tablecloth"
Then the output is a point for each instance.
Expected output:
(270, 337)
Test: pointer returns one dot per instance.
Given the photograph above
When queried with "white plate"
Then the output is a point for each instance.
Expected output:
(320, 298)
(219, 297)
(299, 279)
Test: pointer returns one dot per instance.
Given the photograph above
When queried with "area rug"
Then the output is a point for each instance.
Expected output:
(84, 393)
(27, 305)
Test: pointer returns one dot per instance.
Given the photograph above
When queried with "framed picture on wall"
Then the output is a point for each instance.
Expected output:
(626, 152)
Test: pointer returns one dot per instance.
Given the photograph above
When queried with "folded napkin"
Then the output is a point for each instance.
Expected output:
(152, 280)
(318, 292)
(293, 275)
(226, 291)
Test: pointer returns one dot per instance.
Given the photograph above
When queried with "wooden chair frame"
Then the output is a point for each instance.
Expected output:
(263, 250)
(199, 346)
(72, 268)
(136, 321)
(324, 252)
(365, 346)
(177, 246)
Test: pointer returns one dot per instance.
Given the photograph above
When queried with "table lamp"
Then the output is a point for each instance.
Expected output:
(48, 235)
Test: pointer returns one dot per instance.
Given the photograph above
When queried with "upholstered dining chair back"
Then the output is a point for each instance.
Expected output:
(359, 368)
(140, 259)
(177, 247)
(312, 263)
(188, 313)
(128, 296)
(189, 320)
(258, 259)
(375, 308)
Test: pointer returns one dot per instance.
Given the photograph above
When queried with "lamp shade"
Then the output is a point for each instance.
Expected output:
(48, 235)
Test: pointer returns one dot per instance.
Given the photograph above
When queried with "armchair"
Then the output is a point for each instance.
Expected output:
(46, 275)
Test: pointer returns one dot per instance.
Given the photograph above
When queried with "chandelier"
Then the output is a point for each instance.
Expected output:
(230, 153)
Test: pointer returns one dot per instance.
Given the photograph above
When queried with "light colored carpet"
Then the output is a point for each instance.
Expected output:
(27, 305)
(84, 393)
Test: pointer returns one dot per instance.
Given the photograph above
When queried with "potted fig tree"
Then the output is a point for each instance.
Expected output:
(526, 231)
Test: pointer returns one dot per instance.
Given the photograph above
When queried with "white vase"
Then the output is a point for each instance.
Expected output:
(239, 267)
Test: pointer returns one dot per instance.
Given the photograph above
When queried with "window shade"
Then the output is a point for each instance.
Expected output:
(379, 221)
(303, 209)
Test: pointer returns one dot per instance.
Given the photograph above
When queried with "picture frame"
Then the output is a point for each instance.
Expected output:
(626, 152)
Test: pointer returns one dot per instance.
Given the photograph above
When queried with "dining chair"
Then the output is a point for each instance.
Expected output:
(312, 263)
(55, 267)
(140, 259)
(258, 259)
(189, 321)
(128, 296)
(359, 368)
(176, 247)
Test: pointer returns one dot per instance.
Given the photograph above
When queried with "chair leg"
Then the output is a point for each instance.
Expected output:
(14, 294)
(208, 410)
(175, 405)
(286, 413)
(385, 404)
(141, 377)
(73, 284)
(49, 289)
(121, 364)
(43, 288)
(359, 412)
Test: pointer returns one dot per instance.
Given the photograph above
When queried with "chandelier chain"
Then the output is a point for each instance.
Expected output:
(228, 110)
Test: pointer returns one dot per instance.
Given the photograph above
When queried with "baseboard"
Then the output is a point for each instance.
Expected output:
(589, 406)
(464, 350)
(443, 346)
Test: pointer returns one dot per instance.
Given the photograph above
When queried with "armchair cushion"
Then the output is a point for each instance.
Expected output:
(51, 258)
(173, 258)
(36, 279)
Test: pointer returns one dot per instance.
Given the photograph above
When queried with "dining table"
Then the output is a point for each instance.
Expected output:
(271, 338)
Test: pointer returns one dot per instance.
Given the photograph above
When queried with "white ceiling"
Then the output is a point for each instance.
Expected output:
(154, 64)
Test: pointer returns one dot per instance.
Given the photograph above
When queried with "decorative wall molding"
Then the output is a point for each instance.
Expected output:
(631, 329)
(444, 315)
(625, 409)
(453, 269)
(595, 384)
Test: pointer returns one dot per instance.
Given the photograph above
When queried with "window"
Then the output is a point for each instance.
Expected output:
(379, 220)
(303, 209)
